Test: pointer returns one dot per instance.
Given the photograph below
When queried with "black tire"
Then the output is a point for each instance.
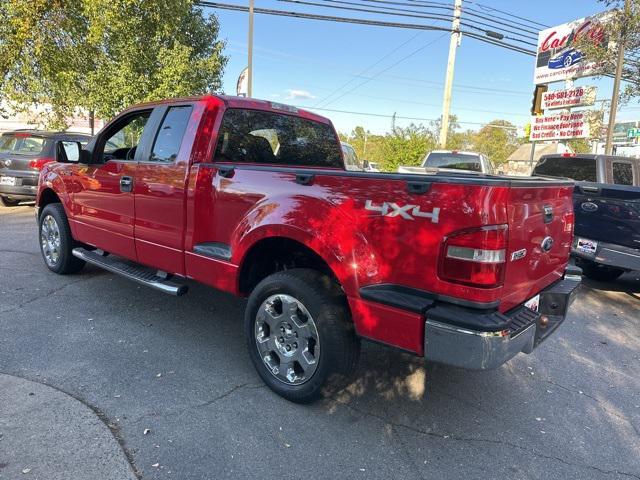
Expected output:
(339, 347)
(65, 263)
(601, 273)
(9, 202)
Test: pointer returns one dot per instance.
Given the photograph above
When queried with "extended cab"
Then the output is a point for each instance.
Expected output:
(252, 198)
(607, 208)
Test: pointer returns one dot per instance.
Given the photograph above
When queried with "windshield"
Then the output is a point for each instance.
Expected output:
(457, 161)
(21, 144)
(578, 169)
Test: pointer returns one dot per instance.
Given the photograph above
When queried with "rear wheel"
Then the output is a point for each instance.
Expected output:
(56, 242)
(300, 336)
(9, 202)
(602, 273)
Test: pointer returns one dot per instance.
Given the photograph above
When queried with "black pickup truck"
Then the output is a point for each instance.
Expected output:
(606, 201)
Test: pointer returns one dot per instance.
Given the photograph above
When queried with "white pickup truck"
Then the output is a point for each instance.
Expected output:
(451, 160)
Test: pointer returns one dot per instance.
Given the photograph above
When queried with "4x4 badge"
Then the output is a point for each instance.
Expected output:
(408, 212)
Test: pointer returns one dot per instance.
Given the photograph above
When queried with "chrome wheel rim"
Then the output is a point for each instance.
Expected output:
(50, 240)
(287, 339)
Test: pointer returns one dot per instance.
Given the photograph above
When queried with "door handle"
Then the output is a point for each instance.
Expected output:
(126, 184)
(585, 190)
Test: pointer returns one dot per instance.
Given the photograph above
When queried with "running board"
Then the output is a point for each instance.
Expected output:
(132, 271)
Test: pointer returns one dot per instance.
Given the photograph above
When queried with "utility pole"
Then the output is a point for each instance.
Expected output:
(616, 83)
(448, 83)
(250, 53)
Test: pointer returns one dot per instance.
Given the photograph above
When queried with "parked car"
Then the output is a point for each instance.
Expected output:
(370, 166)
(565, 58)
(606, 201)
(351, 160)
(353, 163)
(452, 160)
(253, 198)
(22, 154)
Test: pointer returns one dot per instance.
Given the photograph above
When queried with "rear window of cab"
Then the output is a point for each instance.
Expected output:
(256, 136)
(575, 168)
(21, 144)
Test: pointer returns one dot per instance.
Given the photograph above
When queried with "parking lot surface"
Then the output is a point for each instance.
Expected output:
(178, 367)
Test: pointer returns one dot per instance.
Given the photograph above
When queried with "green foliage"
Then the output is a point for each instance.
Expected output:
(580, 145)
(103, 55)
(497, 141)
(408, 146)
(623, 26)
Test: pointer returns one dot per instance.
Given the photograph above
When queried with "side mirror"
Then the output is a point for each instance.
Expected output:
(365, 164)
(71, 152)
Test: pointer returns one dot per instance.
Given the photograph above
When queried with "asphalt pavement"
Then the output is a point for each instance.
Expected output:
(169, 379)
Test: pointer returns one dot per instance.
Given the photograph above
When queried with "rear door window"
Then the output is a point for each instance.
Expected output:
(21, 144)
(622, 173)
(169, 137)
(578, 169)
(255, 136)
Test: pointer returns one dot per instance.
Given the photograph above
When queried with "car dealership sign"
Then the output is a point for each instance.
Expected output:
(558, 59)
(561, 126)
(572, 97)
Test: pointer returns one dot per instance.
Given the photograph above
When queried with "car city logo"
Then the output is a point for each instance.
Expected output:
(408, 212)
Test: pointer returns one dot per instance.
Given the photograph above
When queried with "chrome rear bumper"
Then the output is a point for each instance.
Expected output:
(451, 344)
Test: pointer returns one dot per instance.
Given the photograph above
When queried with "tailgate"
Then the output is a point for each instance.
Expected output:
(540, 235)
(608, 213)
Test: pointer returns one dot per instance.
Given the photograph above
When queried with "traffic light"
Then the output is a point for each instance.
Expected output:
(536, 104)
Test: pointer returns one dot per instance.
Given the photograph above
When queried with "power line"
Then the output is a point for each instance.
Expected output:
(312, 16)
(465, 11)
(394, 12)
(382, 115)
(358, 21)
(492, 9)
(414, 102)
(388, 68)
(369, 67)
(278, 55)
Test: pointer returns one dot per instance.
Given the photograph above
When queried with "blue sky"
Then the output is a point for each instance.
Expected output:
(303, 62)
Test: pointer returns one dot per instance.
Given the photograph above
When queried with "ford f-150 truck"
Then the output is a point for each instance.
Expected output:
(252, 198)
(607, 209)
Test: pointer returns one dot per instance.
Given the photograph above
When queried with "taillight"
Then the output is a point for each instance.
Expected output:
(475, 257)
(38, 163)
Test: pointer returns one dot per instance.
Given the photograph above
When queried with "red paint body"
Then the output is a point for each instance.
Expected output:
(176, 206)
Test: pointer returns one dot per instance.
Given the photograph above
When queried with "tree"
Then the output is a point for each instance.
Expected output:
(406, 146)
(580, 145)
(103, 55)
(497, 140)
(623, 26)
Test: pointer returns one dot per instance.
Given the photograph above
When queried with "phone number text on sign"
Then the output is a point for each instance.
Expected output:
(573, 97)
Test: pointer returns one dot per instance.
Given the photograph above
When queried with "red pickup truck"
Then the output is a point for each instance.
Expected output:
(252, 198)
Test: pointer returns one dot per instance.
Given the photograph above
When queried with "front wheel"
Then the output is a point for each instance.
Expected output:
(56, 242)
(300, 336)
(9, 202)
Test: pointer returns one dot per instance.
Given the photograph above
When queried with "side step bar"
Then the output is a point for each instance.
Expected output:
(134, 272)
